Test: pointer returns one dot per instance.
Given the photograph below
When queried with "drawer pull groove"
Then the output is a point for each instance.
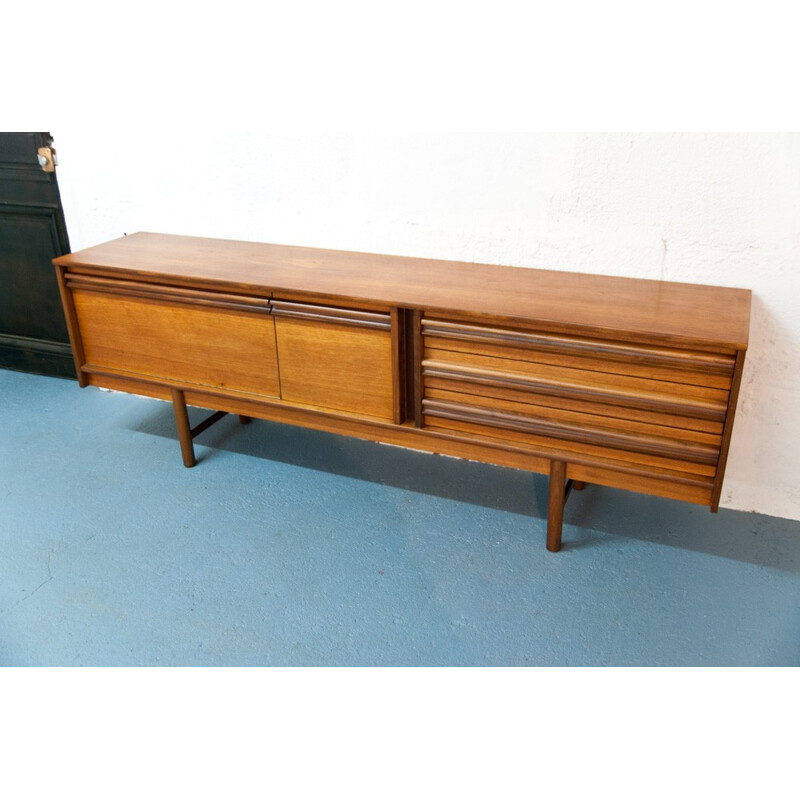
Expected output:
(665, 357)
(690, 408)
(685, 451)
(173, 294)
(339, 316)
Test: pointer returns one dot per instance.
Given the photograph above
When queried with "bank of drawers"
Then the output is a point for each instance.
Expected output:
(594, 401)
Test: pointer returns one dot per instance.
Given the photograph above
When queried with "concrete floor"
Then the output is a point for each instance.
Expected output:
(286, 547)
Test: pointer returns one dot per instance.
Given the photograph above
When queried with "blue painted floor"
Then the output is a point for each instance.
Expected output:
(286, 547)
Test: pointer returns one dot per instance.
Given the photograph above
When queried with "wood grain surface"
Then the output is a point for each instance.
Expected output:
(624, 382)
(654, 310)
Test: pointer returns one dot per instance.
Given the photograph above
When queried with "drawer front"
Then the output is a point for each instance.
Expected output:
(188, 338)
(335, 358)
(594, 400)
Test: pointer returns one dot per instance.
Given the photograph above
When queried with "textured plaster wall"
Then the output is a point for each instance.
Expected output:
(702, 208)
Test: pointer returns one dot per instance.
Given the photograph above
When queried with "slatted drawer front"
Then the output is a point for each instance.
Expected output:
(598, 401)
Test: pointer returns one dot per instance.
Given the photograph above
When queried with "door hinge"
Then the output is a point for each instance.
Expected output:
(48, 160)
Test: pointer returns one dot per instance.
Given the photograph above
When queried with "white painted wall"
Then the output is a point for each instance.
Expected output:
(703, 208)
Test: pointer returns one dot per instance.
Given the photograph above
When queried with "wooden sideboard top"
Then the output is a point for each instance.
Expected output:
(604, 305)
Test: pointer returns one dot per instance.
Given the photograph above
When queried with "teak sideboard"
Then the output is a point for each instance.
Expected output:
(621, 382)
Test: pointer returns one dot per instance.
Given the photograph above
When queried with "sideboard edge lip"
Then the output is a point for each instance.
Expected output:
(259, 259)
(619, 333)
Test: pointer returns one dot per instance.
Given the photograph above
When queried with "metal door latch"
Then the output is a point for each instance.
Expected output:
(48, 160)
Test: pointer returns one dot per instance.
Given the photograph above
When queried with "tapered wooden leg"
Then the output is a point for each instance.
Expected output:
(555, 509)
(184, 429)
(244, 420)
(578, 486)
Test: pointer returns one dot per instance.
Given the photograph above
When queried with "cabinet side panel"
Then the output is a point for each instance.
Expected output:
(213, 347)
(728, 430)
(72, 325)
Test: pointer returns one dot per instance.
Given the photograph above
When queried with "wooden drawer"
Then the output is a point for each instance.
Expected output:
(593, 400)
(335, 358)
(177, 335)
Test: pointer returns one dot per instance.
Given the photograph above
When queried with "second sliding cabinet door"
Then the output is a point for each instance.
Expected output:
(335, 358)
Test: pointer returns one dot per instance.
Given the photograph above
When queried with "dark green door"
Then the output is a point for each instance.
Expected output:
(33, 333)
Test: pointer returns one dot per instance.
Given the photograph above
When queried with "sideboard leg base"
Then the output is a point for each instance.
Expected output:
(555, 508)
(244, 420)
(186, 433)
(184, 429)
(559, 492)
